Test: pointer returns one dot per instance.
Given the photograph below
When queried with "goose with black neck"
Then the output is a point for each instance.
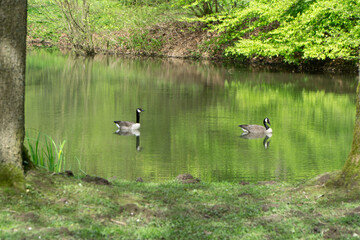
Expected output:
(257, 129)
(125, 125)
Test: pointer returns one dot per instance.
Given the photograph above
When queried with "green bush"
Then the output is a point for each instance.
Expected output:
(295, 30)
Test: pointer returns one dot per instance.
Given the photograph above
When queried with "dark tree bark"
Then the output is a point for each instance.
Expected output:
(350, 175)
(12, 90)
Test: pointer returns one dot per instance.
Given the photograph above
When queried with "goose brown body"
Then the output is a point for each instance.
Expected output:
(253, 128)
(124, 124)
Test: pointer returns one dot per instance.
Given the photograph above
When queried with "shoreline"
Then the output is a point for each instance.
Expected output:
(192, 41)
(338, 66)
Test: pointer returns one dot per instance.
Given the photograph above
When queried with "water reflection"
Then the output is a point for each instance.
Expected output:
(266, 137)
(138, 148)
(266, 142)
(194, 109)
(131, 132)
(128, 132)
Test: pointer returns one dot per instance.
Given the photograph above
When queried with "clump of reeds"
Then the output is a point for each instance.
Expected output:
(45, 153)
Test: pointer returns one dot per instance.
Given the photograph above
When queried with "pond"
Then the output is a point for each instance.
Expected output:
(191, 118)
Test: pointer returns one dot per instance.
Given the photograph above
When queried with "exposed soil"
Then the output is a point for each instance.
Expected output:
(38, 178)
(337, 233)
(178, 39)
(267, 182)
(27, 217)
(183, 39)
(267, 207)
(139, 179)
(244, 183)
(96, 180)
(187, 178)
(322, 179)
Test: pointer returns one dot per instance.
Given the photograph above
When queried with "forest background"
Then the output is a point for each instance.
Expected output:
(295, 32)
(55, 206)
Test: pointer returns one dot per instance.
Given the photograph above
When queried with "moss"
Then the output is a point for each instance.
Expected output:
(11, 176)
(350, 175)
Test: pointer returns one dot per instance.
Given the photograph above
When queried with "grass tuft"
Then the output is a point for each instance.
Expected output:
(46, 153)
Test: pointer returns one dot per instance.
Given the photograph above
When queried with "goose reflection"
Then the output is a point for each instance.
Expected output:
(266, 137)
(131, 132)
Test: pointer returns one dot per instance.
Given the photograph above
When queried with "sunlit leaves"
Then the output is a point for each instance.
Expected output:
(293, 29)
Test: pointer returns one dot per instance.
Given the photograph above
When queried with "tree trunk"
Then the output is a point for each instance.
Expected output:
(350, 175)
(12, 90)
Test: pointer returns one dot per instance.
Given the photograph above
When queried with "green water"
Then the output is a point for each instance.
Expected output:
(191, 118)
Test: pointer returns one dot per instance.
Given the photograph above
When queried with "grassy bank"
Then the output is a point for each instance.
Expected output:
(61, 207)
(115, 27)
(308, 34)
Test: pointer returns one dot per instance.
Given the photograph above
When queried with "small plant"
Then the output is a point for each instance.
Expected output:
(203, 8)
(77, 16)
(142, 42)
(47, 154)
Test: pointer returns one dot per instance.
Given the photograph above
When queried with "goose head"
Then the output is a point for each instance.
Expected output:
(139, 110)
(266, 122)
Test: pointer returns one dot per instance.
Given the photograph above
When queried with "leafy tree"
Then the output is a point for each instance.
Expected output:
(295, 30)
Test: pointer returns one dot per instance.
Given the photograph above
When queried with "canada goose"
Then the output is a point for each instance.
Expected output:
(257, 129)
(125, 125)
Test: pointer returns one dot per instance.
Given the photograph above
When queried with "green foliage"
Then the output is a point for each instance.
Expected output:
(207, 7)
(105, 25)
(54, 20)
(295, 30)
(44, 20)
(79, 25)
(142, 42)
(143, 2)
(46, 154)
